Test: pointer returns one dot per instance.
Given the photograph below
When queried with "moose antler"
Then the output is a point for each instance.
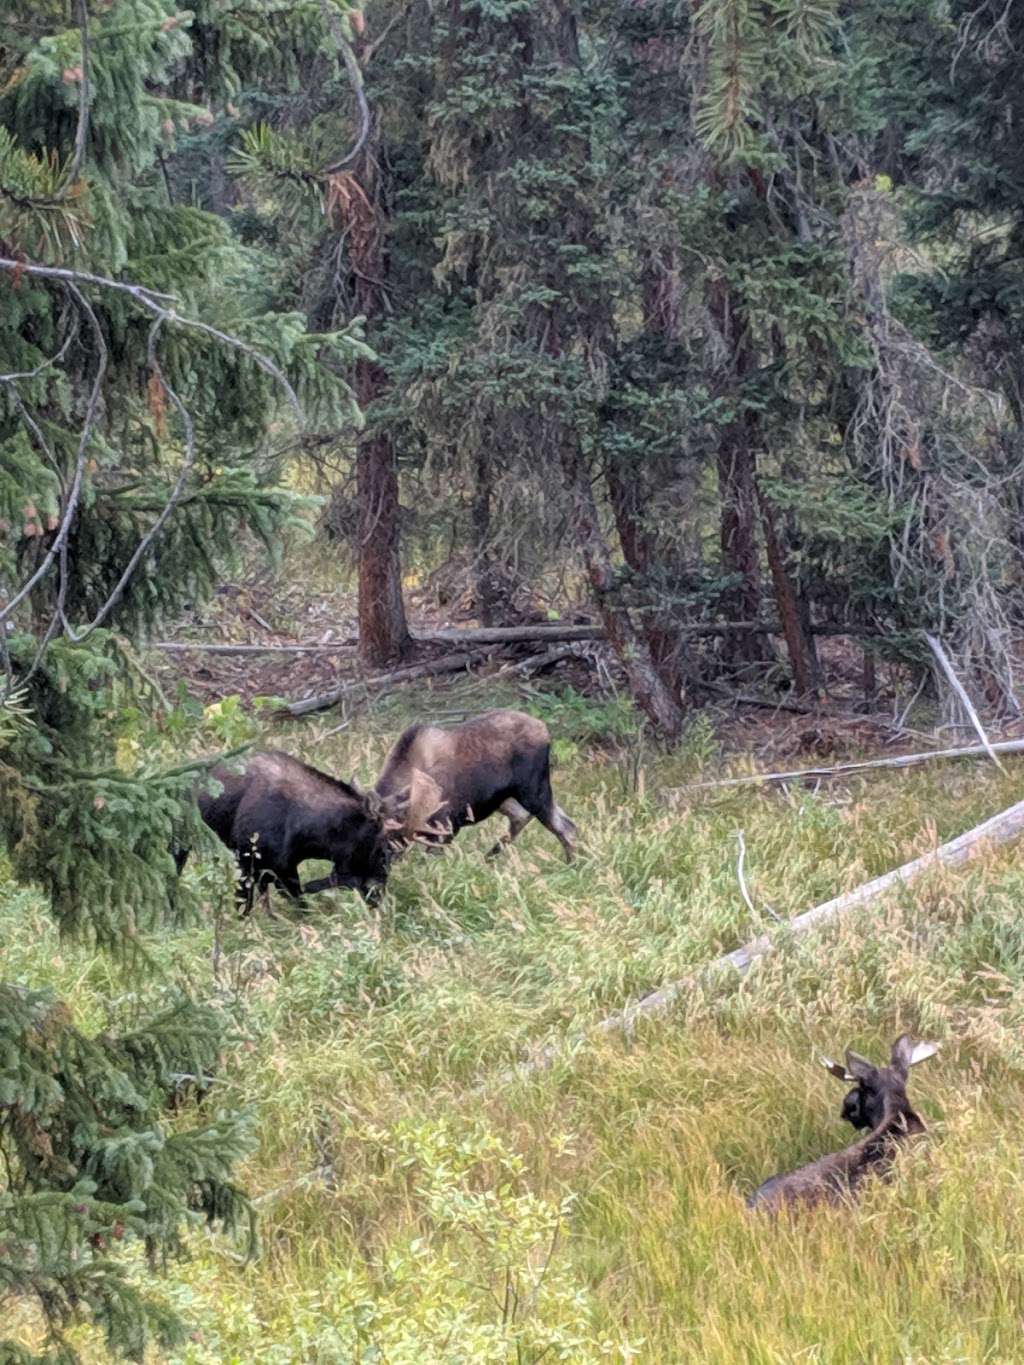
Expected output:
(836, 1068)
(921, 1053)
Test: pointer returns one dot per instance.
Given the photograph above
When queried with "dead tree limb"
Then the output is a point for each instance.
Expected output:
(1005, 746)
(538, 661)
(944, 662)
(999, 829)
(187, 647)
(500, 635)
(449, 663)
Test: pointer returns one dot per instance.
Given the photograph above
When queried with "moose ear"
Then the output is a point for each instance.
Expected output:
(835, 1068)
(426, 805)
(906, 1053)
(392, 810)
(860, 1068)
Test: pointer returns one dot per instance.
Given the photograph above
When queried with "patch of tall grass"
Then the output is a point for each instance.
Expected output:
(416, 1207)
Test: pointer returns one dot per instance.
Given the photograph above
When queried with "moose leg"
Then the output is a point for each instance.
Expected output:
(321, 884)
(245, 886)
(541, 803)
(553, 817)
(289, 883)
(556, 820)
(518, 818)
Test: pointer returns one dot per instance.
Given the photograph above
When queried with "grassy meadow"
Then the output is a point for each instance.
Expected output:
(416, 1205)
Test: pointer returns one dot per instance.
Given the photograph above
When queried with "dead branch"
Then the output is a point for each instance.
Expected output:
(538, 661)
(448, 663)
(355, 77)
(1005, 746)
(944, 663)
(198, 647)
(999, 829)
(500, 635)
(556, 631)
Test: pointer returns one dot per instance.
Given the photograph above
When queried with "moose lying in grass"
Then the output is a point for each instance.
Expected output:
(276, 811)
(878, 1102)
(497, 761)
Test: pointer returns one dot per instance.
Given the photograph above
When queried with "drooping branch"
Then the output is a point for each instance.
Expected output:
(355, 77)
(161, 306)
(154, 301)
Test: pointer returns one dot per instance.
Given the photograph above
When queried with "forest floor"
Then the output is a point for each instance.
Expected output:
(417, 1205)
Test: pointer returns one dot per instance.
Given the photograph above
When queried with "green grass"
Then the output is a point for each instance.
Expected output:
(417, 1208)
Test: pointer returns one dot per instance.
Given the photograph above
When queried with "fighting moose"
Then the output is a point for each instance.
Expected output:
(877, 1102)
(276, 811)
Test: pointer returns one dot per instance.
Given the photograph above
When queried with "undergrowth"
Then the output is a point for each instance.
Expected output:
(418, 1205)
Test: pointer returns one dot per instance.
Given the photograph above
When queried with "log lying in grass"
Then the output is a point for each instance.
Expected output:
(1006, 746)
(448, 663)
(1000, 829)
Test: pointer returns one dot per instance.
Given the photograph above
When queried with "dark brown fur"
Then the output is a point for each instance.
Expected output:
(878, 1101)
(498, 761)
(276, 811)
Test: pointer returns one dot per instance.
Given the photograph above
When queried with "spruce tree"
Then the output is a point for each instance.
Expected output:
(149, 383)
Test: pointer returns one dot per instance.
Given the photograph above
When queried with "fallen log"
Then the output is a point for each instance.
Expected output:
(501, 635)
(185, 647)
(448, 663)
(1005, 746)
(509, 635)
(999, 829)
(535, 662)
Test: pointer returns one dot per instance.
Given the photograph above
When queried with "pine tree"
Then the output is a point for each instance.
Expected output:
(149, 382)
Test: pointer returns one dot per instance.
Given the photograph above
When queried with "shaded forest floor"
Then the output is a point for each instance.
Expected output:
(280, 610)
(416, 1207)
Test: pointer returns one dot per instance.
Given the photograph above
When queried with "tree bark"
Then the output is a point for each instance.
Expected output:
(798, 643)
(641, 555)
(737, 470)
(485, 587)
(383, 631)
(659, 703)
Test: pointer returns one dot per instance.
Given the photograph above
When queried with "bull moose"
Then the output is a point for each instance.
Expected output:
(275, 812)
(497, 761)
(877, 1102)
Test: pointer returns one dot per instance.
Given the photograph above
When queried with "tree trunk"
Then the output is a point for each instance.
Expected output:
(737, 470)
(659, 703)
(485, 587)
(798, 643)
(383, 632)
(659, 628)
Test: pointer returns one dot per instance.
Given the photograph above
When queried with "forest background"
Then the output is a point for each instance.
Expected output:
(701, 322)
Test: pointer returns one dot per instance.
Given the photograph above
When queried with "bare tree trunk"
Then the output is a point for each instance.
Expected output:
(737, 470)
(485, 586)
(659, 703)
(798, 643)
(383, 631)
(641, 555)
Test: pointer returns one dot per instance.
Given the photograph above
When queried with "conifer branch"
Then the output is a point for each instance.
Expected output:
(155, 302)
(175, 496)
(151, 299)
(75, 492)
